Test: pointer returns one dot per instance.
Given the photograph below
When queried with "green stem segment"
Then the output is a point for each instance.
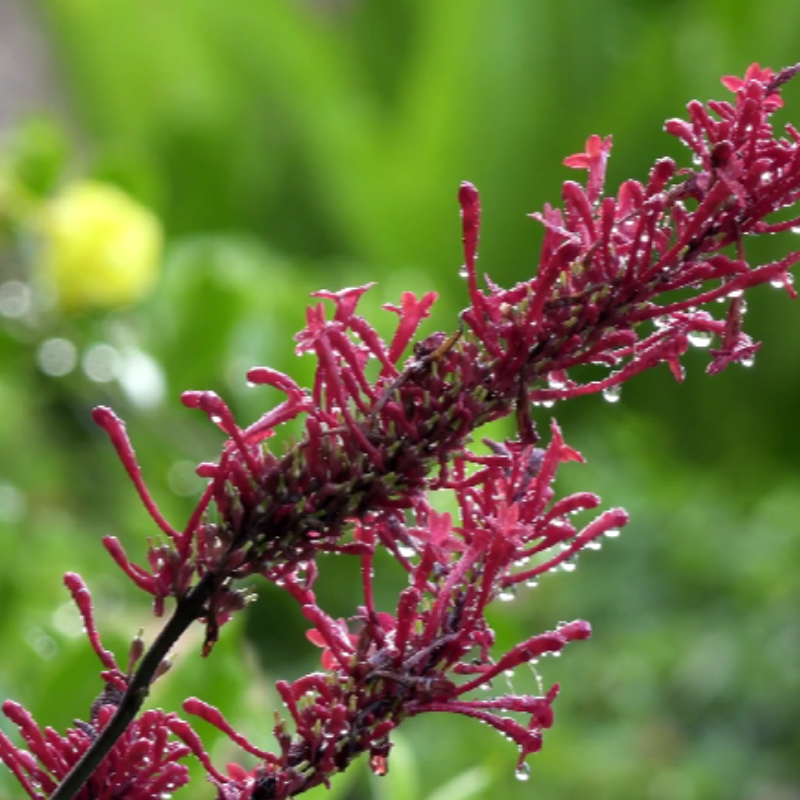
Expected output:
(188, 609)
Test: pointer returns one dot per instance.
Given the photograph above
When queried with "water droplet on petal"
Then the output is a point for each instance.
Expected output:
(506, 595)
(612, 393)
(463, 273)
(700, 338)
(594, 545)
(661, 322)
(523, 772)
(612, 533)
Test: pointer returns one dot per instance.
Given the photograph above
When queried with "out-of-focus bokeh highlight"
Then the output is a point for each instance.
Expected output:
(176, 177)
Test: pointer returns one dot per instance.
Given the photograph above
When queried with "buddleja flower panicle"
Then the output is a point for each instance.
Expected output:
(620, 288)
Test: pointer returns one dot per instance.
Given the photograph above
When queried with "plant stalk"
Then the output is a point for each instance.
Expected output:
(187, 610)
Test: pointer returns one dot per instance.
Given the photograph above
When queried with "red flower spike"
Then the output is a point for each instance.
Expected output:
(594, 158)
(372, 449)
(83, 600)
(470, 203)
(346, 301)
(762, 76)
(271, 377)
(212, 715)
(115, 428)
(411, 313)
(331, 634)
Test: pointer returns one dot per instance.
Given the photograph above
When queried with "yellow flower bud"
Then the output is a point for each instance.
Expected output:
(102, 249)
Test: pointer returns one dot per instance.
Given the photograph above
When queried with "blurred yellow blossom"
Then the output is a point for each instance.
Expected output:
(102, 249)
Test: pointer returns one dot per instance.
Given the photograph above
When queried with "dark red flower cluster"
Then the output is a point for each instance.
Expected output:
(619, 289)
(434, 652)
(143, 763)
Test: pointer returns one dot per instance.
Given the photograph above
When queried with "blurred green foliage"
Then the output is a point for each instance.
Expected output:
(290, 145)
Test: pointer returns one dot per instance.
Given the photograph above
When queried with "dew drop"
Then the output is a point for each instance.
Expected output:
(569, 566)
(700, 338)
(463, 273)
(523, 772)
(612, 393)
(795, 229)
(747, 362)
(555, 383)
(532, 583)
(594, 545)
(506, 595)
(734, 293)
(612, 533)
(661, 322)
(548, 403)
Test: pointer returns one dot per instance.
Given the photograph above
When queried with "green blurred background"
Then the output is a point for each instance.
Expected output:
(289, 145)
